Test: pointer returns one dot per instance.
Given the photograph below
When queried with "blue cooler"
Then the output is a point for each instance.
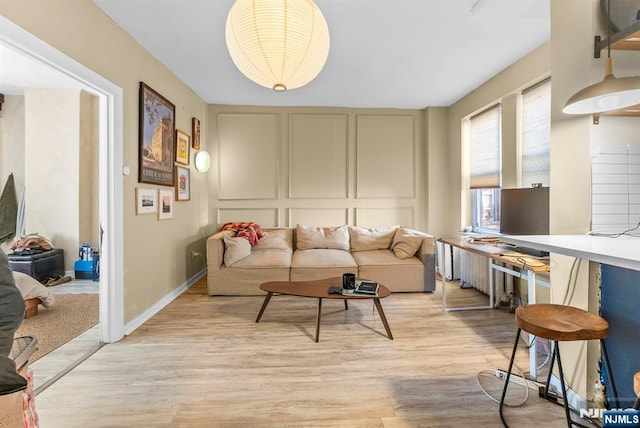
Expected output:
(83, 269)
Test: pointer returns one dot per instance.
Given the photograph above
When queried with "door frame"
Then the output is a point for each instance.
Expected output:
(110, 136)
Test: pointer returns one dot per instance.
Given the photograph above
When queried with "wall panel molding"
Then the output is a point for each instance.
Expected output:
(265, 217)
(248, 153)
(318, 216)
(385, 156)
(318, 156)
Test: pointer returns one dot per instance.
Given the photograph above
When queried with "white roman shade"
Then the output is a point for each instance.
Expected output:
(485, 156)
(536, 133)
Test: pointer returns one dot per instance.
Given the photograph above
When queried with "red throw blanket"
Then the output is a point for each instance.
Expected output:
(245, 229)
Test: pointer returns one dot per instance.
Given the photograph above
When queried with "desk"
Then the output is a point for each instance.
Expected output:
(496, 256)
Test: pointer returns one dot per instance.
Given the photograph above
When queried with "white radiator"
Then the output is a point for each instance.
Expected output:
(451, 268)
(474, 272)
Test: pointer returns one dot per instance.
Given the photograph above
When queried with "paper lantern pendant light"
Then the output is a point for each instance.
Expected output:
(278, 44)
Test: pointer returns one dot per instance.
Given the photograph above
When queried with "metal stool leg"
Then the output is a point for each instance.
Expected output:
(564, 388)
(551, 364)
(506, 381)
(610, 373)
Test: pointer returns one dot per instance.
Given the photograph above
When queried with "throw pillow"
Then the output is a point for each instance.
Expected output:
(363, 239)
(235, 249)
(336, 238)
(405, 244)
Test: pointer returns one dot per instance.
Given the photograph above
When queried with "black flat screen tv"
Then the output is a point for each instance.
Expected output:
(524, 211)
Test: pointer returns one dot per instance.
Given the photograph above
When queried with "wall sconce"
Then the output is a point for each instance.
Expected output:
(203, 161)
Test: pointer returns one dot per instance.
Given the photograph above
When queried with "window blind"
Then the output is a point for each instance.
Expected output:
(536, 133)
(485, 138)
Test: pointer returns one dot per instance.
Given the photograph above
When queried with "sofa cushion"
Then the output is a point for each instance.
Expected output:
(308, 238)
(235, 249)
(322, 258)
(363, 239)
(383, 258)
(406, 243)
(276, 240)
(265, 259)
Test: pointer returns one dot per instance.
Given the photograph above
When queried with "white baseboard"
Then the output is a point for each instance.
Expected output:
(132, 325)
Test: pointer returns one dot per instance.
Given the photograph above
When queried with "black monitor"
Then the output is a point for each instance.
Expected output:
(524, 211)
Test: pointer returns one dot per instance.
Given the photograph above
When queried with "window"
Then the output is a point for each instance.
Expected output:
(536, 133)
(486, 171)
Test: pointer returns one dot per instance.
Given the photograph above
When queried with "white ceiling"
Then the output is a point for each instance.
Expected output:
(384, 53)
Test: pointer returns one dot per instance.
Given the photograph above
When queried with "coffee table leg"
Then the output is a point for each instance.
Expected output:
(346, 305)
(383, 318)
(318, 322)
(264, 305)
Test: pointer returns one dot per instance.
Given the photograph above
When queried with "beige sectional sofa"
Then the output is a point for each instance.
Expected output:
(402, 259)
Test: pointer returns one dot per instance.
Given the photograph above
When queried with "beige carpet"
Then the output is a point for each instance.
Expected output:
(70, 316)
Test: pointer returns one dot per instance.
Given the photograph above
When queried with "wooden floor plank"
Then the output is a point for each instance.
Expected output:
(204, 362)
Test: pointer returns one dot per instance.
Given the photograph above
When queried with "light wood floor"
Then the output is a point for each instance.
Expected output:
(204, 362)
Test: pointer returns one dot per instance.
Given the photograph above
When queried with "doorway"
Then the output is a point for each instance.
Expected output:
(110, 125)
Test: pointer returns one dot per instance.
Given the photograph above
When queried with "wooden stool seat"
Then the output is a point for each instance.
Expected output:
(561, 323)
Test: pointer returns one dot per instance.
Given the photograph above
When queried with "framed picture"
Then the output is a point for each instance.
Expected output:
(156, 138)
(146, 201)
(195, 133)
(182, 147)
(165, 204)
(183, 184)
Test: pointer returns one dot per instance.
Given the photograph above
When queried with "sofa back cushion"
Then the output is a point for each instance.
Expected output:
(309, 238)
(406, 243)
(363, 239)
(275, 239)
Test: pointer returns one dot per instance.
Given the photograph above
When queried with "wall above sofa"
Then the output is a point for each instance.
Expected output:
(327, 166)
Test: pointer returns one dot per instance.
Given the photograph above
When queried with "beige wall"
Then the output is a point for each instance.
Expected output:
(155, 259)
(12, 140)
(61, 168)
(12, 145)
(317, 166)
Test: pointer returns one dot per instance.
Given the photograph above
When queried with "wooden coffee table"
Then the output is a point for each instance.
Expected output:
(319, 290)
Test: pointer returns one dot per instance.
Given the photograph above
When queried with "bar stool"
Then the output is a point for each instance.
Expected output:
(560, 323)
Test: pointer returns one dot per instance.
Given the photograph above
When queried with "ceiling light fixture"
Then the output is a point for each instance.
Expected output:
(612, 93)
(278, 44)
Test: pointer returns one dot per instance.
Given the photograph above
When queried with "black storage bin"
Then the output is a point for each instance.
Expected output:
(48, 264)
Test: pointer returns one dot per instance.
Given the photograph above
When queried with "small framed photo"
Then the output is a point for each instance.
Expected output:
(146, 201)
(182, 147)
(183, 184)
(165, 204)
(195, 133)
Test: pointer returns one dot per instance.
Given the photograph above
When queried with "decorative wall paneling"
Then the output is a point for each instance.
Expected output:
(318, 156)
(318, 166)
(248, 156)
(265, 217)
